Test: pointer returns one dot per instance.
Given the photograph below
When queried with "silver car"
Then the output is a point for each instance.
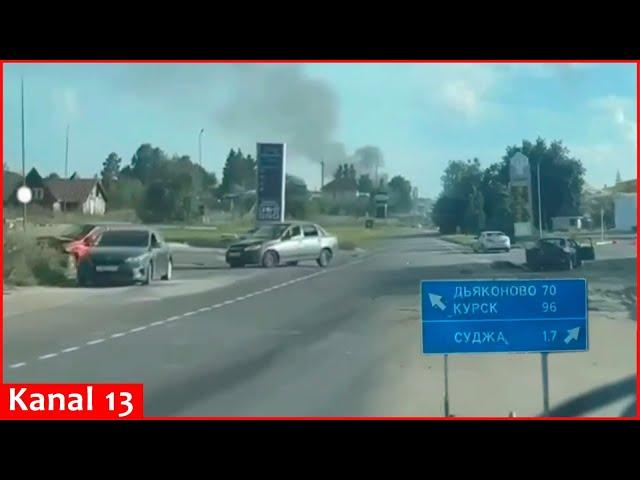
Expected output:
(488, 241)
(283, 243)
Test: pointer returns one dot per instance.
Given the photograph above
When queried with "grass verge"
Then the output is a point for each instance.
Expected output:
(460, 239)
(351, 237)
(223, 236)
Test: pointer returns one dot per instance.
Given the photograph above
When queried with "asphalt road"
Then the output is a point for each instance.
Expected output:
(306, 341)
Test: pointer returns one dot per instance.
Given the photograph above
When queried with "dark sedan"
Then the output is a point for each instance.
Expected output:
(126, 256)
(558, 252)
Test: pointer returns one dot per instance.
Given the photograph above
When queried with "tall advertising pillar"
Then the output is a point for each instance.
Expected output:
(271, 166)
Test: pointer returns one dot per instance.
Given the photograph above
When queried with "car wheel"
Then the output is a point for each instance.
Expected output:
(148, 274)
(167, 276)
(236, 264)
(292, 264)
(325, 257)
(269, 259)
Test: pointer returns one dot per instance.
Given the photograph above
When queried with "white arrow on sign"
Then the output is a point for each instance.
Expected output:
(436, 301)
(573, 334)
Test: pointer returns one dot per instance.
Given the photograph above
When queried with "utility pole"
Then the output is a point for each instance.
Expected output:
(321, 174)
(66, 156)
(24, 177)
(200, 147)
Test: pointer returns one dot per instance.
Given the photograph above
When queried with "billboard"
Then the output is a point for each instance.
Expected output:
(271, 162)
(519, 173)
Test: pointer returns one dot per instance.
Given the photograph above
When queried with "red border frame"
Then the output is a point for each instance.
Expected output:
(637, 62)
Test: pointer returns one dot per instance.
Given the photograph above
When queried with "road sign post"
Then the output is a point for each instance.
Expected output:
(271, 162)
(545, 383)
(446, 385)
(504, 316)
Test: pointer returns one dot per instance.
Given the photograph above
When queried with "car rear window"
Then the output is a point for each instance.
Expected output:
(124, 238)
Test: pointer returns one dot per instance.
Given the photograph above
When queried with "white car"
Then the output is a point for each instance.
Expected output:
(488, 241)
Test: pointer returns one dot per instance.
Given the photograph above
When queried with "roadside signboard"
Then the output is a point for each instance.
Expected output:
(519, 173)
(503, 316)
(271, 160)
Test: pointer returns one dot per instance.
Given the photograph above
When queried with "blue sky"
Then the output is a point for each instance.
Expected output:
(419, 115)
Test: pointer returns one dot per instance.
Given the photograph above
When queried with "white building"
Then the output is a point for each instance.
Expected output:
(624, 205)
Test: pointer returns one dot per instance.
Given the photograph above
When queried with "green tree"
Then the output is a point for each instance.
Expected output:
(351, 175)
(459, 181)
(444, 214)
(126, 192)
(365, 184)
(497, 199)
(110, 169)
(158, 203)
(53, 176)
(296, 197)
(238, 172)
(400, 194)
(474, 217)
(339, 173)
(148, 164)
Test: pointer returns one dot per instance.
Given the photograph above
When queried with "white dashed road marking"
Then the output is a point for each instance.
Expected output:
(187, 314)
(48, 355)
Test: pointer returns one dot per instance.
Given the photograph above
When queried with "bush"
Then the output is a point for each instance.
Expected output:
(27, 263)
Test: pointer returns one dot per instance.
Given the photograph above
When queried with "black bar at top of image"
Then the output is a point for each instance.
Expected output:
(297, 54)
(271, 32)
(427, 47)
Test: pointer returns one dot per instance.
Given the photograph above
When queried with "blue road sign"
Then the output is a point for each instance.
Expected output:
(500, 316)
(271, 182)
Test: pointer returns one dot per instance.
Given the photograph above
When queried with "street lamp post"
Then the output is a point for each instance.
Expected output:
(24, 178)
(539, 204)
(200, 146)
(198, 194)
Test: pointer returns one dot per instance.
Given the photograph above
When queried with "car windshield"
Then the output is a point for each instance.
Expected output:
(270, 231)
(495, 234)
(556, 242)
(121, 238)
